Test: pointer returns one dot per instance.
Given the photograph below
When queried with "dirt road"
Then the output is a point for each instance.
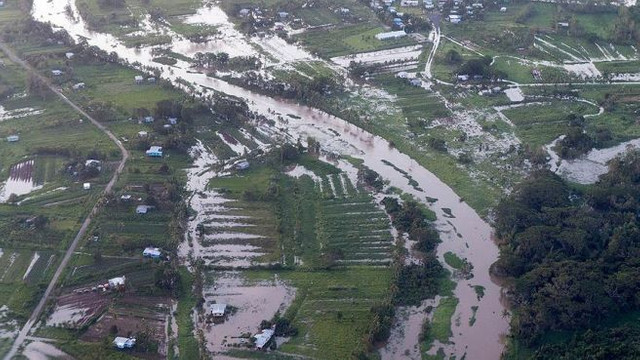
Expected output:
(22, 335)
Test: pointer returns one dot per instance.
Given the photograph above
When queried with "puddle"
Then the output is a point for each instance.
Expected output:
(34, 259)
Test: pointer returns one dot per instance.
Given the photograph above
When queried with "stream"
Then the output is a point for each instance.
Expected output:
(462, 230)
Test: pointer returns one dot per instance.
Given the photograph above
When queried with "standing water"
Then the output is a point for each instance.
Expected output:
(462, 230)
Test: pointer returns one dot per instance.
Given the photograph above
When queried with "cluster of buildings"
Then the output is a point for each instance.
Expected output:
(459, 11)
(139, 79)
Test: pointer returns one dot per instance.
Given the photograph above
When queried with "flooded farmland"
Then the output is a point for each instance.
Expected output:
(20, 181)
(251, 302)
(463, 232)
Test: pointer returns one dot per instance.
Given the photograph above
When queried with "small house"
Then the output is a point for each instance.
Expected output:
(154, 151)
(283, 15)
(503, 9)
(244, 12)
(123, 342)
(78, 86)
(13, 138)
(151, 80)
(148, 119)
(563, 24)
(167, 126)
(117, 282)
(56, 72)
(409, 3)
(278, 26)
(142, 209)
(218, 310)
(263, 338)
(86, 186)
(138, 79)
(172, 120)
(151, 252)
(402, 75)
(69, 55)
(142, 134)
(243, 165)
(93, 163)
(125, 197)
(416, 82)
(455, 19)
(463, 77)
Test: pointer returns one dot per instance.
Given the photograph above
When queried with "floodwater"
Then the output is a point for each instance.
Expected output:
(20, 181)
(68, 314)
(254, 303)
(17, 113)
(39, 350)
(588, 168)
(467, 234)
(34, 260)
(514, 94)
(378, 57)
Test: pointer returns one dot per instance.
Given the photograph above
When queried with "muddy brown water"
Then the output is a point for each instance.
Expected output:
(466, 233)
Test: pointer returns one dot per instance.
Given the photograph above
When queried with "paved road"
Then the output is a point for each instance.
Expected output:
(22, 335)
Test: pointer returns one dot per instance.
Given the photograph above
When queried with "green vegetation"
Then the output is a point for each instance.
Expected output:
(333, 309)
(440, 325)
(552, 238)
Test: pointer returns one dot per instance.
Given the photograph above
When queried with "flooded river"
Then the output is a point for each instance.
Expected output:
(462, 230)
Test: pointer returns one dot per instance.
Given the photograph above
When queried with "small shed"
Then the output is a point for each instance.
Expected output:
(56, 72)
(172, 120)
(151, 80)
(123, 342)
(142, 209)
(142, 134)
(125, 197)
(69, 55)
(79, 86)
(244, 12)
(154, 151)
(243, 165)
(218, 310)
(93, 163)
(138, 79)
(503, 9)
(13, 138)
(151, 252)
(86, 186)
(117, 282)
(263, 338)
(148, 119)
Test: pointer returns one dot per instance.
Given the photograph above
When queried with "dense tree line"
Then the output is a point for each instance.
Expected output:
(574, 255)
